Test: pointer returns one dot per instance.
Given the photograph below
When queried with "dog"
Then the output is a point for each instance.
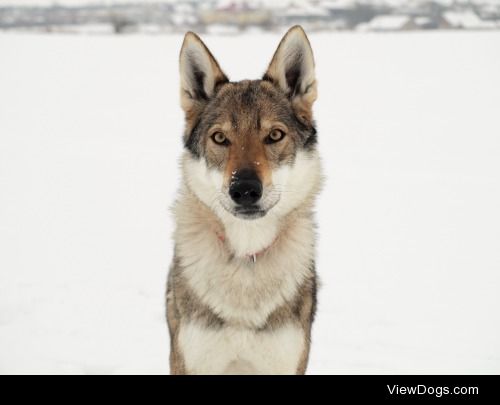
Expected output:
(241, 294)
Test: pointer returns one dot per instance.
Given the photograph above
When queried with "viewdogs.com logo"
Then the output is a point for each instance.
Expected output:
(432, 391)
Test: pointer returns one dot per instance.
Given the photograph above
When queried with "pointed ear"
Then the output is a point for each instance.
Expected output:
(200, 73)
(292, 70)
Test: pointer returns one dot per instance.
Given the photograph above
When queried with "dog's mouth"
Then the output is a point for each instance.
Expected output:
(251, 212)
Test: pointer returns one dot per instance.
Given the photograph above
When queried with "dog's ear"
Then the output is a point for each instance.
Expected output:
(292, 70)
(200, 73)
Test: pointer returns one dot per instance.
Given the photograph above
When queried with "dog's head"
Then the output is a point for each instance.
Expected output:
(251, 144)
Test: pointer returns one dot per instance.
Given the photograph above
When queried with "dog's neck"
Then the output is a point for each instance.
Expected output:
(249, 238)
(243, 238)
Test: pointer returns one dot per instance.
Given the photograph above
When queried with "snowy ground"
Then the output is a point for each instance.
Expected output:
(409, 254)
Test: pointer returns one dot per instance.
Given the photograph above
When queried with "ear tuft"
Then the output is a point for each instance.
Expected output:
(292, 68)
(200, 72)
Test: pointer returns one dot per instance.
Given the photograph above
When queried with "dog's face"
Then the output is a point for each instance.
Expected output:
(247, 140)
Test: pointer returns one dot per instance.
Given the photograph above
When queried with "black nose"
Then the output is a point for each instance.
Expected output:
(246, 188)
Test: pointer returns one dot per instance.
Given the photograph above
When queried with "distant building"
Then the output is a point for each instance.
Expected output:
(232, 13)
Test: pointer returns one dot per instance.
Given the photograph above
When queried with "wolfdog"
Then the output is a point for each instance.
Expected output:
(241, 293)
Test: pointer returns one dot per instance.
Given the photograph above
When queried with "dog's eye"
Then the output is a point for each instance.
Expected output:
(276, 135)
(220, 139)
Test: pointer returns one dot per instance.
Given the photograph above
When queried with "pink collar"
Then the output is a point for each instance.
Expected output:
(252, 256)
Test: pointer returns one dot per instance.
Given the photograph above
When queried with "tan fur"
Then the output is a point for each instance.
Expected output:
(246, 129)
(241, 294)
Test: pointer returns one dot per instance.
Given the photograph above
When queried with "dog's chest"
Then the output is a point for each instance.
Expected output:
(230, 350)
(243, 292)
(236, 289)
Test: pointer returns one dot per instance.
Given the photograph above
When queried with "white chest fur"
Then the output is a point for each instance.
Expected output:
(240, 292)
(241, 351)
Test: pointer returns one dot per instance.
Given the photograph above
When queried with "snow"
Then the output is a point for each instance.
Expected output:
(307, 10)
(409, 226)
(222, 29)
(467, 19)
(87, 29)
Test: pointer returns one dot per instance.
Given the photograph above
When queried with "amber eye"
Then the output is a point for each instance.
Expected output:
(220, 139)
(276, 135)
